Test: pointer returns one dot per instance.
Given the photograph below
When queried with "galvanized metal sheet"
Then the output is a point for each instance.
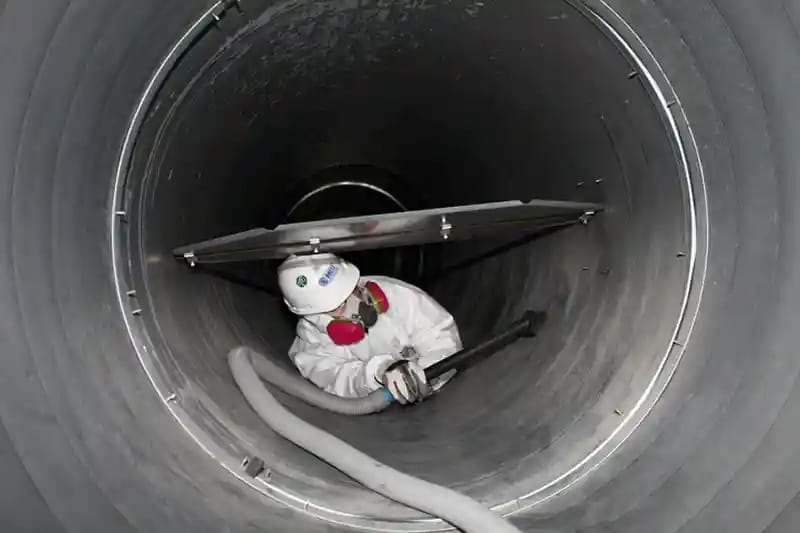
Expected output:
(405, 228)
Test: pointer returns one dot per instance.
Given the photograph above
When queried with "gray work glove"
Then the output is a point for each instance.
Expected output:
(406, 381)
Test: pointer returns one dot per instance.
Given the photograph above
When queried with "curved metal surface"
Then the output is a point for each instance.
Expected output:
(86, 444)
(561, 480)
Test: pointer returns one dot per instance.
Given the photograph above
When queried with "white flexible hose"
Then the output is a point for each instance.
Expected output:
(294, 384)
(459, 510)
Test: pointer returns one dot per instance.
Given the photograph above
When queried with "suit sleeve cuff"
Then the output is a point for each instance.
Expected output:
(376, 366)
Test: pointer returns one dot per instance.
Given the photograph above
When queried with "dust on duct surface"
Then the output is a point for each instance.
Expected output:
(462, 102)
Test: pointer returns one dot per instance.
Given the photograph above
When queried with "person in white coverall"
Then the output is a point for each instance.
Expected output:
(358, 334)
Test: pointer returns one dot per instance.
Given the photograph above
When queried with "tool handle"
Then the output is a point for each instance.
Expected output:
(524, 327)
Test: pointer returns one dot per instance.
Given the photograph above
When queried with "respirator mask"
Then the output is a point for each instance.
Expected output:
(361, 312)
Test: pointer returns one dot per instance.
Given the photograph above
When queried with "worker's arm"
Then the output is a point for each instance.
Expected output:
(333, 368)
(434, 333)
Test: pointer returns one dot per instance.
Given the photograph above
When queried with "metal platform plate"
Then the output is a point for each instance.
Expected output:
(405, 228)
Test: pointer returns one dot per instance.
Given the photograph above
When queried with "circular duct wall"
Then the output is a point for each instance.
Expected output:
(134, 128)
(240, 131)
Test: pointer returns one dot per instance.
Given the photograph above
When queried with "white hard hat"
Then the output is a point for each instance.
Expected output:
(316, 283)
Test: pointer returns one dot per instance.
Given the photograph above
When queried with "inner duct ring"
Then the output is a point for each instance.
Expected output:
(345, 183)
(365, 184)
(645, 64)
